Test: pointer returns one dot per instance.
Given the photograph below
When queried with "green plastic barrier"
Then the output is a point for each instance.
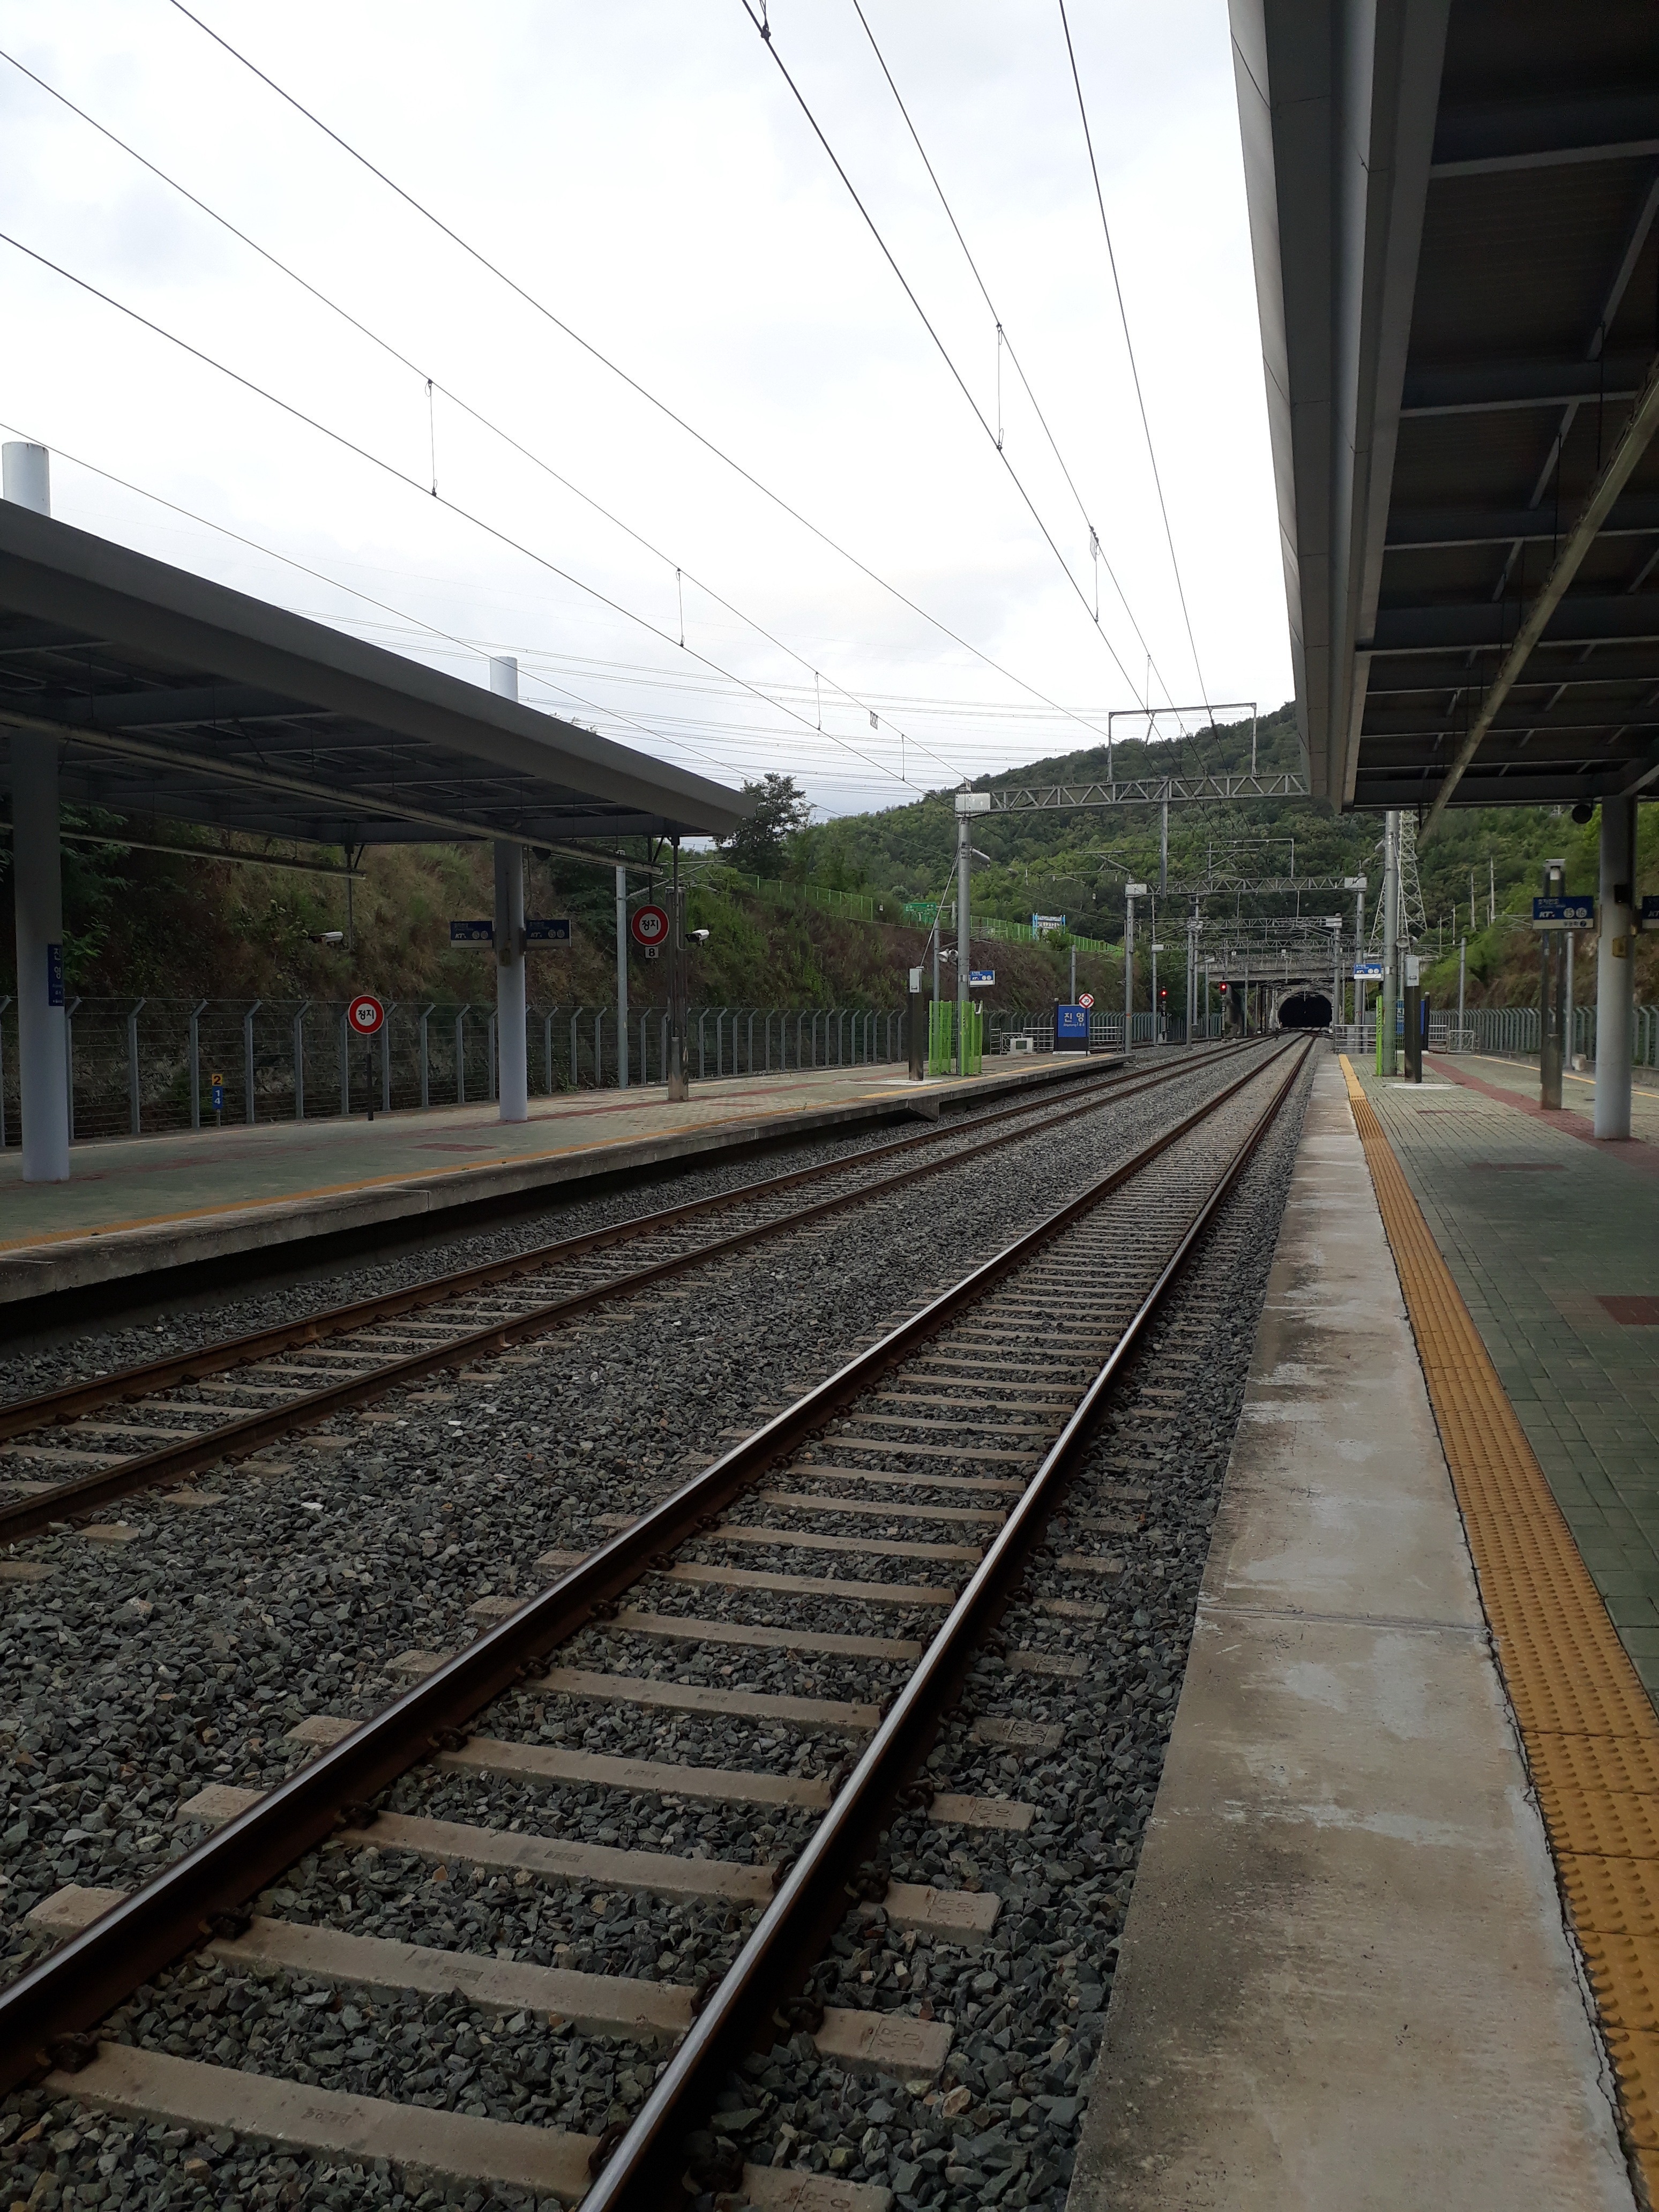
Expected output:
(941, 1037)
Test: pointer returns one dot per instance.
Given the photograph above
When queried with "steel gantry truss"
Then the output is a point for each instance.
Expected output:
(1147, 791)
(1252, 886)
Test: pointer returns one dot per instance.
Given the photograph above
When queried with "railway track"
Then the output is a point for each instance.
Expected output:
(866, 1538)
(69, 1452)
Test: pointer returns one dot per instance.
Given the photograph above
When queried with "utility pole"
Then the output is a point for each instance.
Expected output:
(1390, 992)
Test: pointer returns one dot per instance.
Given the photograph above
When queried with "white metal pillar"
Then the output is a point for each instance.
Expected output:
(621, 978)
(1616, 968)
(512, 1045)
(37, 869)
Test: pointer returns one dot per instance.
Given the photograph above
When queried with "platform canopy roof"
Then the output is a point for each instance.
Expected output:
(173, 696)
(1452, 210)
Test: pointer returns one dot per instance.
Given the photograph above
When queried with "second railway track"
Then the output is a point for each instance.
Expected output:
(70, 1451)
(798, 1618)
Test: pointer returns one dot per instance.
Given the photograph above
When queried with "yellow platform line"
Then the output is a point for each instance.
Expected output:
(1588, 1726)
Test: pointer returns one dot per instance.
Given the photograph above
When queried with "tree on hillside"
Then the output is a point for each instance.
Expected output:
(757, 847)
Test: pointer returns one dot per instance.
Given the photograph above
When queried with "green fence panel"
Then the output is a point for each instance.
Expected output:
(941, 1037)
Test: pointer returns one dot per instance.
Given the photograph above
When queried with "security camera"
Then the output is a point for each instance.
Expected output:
(698, 936)
(329, 937)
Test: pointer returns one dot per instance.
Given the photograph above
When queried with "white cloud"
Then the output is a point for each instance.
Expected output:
(642, 169)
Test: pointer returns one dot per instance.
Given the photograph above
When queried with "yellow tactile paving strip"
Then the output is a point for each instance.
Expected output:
(1588, 1727)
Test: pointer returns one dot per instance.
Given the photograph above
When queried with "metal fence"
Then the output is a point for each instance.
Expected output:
(142, 1067)
(1510, 1032)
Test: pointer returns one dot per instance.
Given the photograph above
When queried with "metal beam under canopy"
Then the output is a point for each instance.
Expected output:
(1454, 221)
(174, 697)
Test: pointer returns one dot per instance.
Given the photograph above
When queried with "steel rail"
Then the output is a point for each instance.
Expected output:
(236, 1439)
(73, 1399)
(45, 2014)
(813, 1898)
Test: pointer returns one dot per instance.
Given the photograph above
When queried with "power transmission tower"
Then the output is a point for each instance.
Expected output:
(1413, 921)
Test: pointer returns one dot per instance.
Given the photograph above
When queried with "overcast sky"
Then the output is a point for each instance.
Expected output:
(643, 170)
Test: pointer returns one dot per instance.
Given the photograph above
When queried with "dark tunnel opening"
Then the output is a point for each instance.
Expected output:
(1306, 1009)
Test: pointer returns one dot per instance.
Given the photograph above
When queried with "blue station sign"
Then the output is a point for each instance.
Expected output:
(545, 931)
(1575, 911)
(473, 932)
(1070, 1028)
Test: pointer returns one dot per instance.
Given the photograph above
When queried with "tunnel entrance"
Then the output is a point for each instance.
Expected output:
(1305, 1010)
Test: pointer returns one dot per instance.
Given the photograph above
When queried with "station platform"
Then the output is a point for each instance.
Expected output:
(1409, 1753)
(1516, 1081)
(1551, 1236)
(155, 1206)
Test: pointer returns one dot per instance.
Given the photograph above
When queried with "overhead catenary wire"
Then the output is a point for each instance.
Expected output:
(1005, 343)
(425, 629)
(944, 351)
(643, 391)
(401, 476)
(664, 729)
(433, 384)
(1134, 368)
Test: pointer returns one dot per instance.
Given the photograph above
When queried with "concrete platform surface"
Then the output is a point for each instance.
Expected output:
(1345, 1984)
(1553, 1241)
(141, 1204)
(1518, 1078)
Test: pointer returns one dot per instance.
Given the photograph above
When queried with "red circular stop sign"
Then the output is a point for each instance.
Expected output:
(649, 925)
(365, 1014)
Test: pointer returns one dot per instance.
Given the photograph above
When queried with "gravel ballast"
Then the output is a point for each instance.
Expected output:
(152, 1667)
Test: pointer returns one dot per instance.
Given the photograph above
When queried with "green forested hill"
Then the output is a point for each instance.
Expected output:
(1076, 864)
(141, 922)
